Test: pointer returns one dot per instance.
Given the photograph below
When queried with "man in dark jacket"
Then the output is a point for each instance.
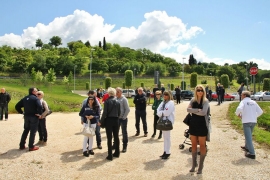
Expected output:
(110, 120)
(177, 94)
(32, 112)
(218, 91)
(140, 111)
(4, 100)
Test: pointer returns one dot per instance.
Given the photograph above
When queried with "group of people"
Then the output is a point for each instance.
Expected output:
(115, 115)
(35, 110)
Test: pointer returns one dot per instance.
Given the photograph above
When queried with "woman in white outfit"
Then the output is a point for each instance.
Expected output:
(166, 108)
(89, 111)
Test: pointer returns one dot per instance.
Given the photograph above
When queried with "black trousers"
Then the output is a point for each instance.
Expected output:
(177, 98)
(30, 124)
(155, 124)
(141, 114)
(3, 111)
(42, 130)
(112, 129)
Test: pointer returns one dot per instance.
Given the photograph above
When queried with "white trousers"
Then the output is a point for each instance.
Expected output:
(167, 141)
(85, 139)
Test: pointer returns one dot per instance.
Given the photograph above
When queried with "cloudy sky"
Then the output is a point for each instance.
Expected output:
(224, 31)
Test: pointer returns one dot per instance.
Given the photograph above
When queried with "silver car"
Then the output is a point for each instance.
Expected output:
(261, 96)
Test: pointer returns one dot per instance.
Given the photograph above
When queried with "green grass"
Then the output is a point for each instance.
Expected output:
(261, 132)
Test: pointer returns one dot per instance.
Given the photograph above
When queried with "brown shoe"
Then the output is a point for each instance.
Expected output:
(145, 135)
(44, 144)
(137, 134)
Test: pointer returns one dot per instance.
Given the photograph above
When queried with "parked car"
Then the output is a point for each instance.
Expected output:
(129, 93)
(236, 96)
(187, 94)
(261, 96)
(227, 97)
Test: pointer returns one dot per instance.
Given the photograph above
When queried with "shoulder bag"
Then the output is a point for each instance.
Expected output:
(88, 130)
(187, 119)
(164, 125)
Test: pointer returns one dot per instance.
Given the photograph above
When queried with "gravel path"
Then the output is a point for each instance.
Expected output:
(62, 157)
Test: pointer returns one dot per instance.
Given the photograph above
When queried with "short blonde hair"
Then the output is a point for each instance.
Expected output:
(41, 92)
(111, 91)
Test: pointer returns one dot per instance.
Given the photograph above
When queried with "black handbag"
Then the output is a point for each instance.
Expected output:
(187, 119)
(164, 125)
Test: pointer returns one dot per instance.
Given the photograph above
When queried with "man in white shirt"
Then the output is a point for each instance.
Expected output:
(248, 110)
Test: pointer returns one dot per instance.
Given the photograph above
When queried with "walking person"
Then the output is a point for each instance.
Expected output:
(110, 120)
(42, 130)
(218, 91)
(89, 111)
(32, 112)
(199, 126)
(148, 95)
(178, 94)
(248, 110)
(210, 94)
(156, 104)
(123, 120)
(240, 89)
(140, 111)
(4, 100)
(166, 109)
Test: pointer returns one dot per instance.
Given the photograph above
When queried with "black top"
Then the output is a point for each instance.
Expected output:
(140, 102)
(31, 105)
(4, 98)
(177, 91)
(87, 111)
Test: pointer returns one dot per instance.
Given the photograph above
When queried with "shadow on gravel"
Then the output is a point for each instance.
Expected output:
(187, 176)
(13, 153)
(72, 156)
(154, 164)
(245, 161)
(95, 161)
(151, 141)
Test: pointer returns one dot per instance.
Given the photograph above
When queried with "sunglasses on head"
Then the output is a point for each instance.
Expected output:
(199, 90)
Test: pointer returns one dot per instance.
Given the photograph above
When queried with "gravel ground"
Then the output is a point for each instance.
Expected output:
(62, 157)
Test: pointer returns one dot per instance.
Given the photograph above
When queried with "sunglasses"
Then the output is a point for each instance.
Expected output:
(38, 94)
(199, 90)
(91, 99)
(158, 94)
(166, 94)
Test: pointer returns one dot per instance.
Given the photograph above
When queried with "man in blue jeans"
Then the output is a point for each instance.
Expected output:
(248, 110)
(32, 112)
(123, 120)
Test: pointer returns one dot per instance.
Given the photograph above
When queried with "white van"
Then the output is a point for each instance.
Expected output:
(129, 93)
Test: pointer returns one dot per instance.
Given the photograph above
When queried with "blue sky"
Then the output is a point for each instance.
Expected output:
(227, 31)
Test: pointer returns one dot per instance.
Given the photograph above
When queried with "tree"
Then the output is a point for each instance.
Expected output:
(55, 41)
(224, 79)
(50, 77)
(108, 82)
(227, 70)
(193, 80)
(128, 78)
(192, 60)
(87, 44)
(104, 44)
(39, 77)
(266, 84)
(39, 43)
(33, 75)
(99, 44)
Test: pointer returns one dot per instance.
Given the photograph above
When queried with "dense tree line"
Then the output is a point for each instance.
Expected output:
(110, 58)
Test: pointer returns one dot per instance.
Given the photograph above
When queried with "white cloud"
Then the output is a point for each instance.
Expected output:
(158, 32)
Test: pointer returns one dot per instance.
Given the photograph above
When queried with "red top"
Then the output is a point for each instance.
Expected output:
(105, 97)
